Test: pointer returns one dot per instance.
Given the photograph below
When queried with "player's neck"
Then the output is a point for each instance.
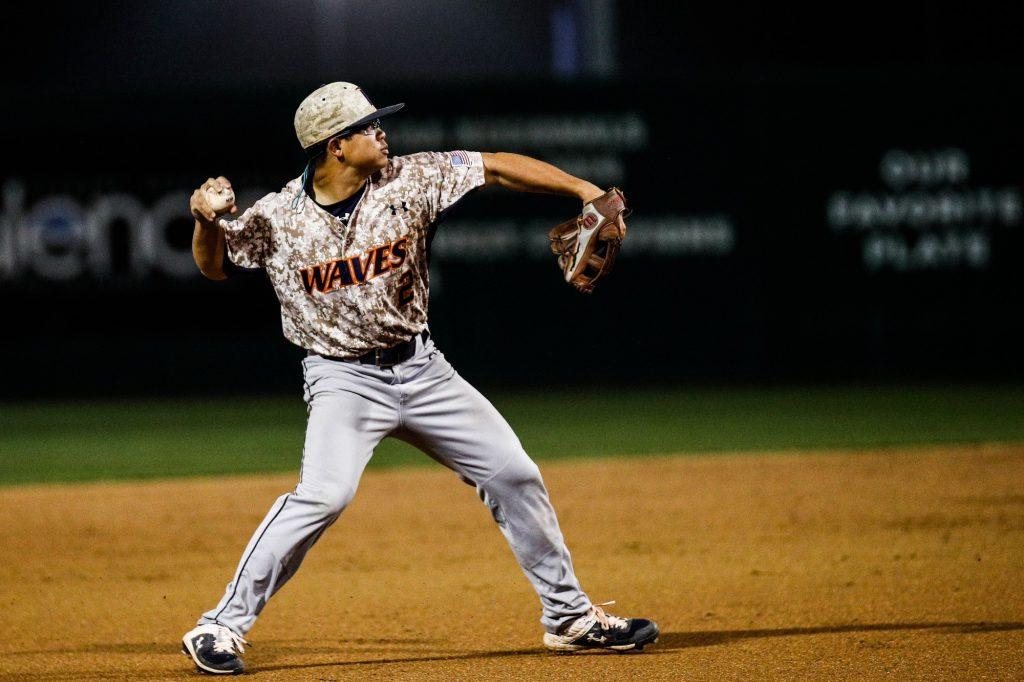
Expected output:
(334, 182)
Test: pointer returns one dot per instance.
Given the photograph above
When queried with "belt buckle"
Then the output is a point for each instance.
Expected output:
(378, 359)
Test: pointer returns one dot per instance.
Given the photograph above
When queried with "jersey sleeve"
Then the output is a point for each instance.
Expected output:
(445, 177)
(460, 173)
(248, 237)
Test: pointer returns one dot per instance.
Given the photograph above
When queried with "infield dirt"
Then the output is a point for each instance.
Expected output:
(901, 564)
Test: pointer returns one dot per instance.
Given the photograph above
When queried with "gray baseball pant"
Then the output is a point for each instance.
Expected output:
(423, 401)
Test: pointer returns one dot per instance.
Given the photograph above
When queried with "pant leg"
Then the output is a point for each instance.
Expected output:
(450, 420)
(349, 414)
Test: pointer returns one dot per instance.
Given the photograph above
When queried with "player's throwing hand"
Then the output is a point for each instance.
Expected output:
(215, 197)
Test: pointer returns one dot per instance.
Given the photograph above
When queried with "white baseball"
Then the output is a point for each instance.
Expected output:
(220, 200)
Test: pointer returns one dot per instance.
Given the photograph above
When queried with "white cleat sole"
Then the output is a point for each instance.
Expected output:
(187, 650)
(555, 643)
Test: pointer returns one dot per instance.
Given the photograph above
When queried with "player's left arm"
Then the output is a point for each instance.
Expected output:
(526, 174)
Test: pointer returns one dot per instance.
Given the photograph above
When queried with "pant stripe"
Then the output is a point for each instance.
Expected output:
(254, 546)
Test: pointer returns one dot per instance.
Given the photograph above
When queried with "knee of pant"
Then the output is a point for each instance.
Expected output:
(330, 500)
(520, 471)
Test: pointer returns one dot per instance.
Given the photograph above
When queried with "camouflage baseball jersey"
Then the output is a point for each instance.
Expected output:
(348, 289)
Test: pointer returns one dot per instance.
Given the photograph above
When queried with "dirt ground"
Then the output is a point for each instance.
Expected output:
(899, 564)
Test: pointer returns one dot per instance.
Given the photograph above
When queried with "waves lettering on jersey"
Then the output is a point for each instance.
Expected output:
(343, 272)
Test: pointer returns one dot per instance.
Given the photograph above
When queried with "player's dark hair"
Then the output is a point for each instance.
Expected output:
(314, 151)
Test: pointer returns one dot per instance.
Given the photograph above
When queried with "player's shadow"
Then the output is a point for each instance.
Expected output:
(674, 641)
(670, 641)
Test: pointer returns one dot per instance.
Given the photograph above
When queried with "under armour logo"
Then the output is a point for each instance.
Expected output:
(594, 638)
(394, 211)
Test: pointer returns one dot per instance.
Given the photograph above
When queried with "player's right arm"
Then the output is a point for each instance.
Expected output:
(208, 237)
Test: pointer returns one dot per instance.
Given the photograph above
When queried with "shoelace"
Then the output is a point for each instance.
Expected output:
(606, 620)
(228, 642)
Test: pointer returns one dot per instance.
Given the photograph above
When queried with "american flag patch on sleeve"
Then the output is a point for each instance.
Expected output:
(460, 158)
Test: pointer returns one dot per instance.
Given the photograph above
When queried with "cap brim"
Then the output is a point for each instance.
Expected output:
(380, 113)
(314, 150)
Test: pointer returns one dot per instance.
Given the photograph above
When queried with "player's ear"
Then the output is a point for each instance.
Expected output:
(334, 148)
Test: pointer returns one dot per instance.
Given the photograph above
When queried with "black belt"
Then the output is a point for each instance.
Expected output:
(384, 357)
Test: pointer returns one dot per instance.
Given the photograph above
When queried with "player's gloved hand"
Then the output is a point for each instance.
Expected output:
(213, 198)
(588, 244)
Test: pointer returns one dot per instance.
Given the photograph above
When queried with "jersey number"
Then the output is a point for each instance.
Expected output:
(405, 288)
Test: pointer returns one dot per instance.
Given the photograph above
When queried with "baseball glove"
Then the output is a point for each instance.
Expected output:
(587, 245)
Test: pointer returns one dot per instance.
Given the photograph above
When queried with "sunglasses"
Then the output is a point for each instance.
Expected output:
(371, 129)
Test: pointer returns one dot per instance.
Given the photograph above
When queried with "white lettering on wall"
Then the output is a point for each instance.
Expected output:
(929, 217)
(60, 238)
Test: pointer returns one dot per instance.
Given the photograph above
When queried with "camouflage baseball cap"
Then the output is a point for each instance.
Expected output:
(333, 108)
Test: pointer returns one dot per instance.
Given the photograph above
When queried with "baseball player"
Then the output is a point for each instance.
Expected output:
(346, 247)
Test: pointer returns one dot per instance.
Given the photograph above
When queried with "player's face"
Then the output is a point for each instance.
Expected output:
(367, 149)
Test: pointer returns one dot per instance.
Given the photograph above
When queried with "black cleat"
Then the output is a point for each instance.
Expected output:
(596, 630)
(214, 649)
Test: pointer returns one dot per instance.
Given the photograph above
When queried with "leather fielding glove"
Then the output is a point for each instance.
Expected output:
(587, 245)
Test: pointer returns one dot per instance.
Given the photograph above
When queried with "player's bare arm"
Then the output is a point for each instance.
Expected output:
(526, 174)
(208, 237)
(586, 246)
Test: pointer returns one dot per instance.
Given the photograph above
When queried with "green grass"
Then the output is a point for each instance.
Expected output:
(158, 438)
